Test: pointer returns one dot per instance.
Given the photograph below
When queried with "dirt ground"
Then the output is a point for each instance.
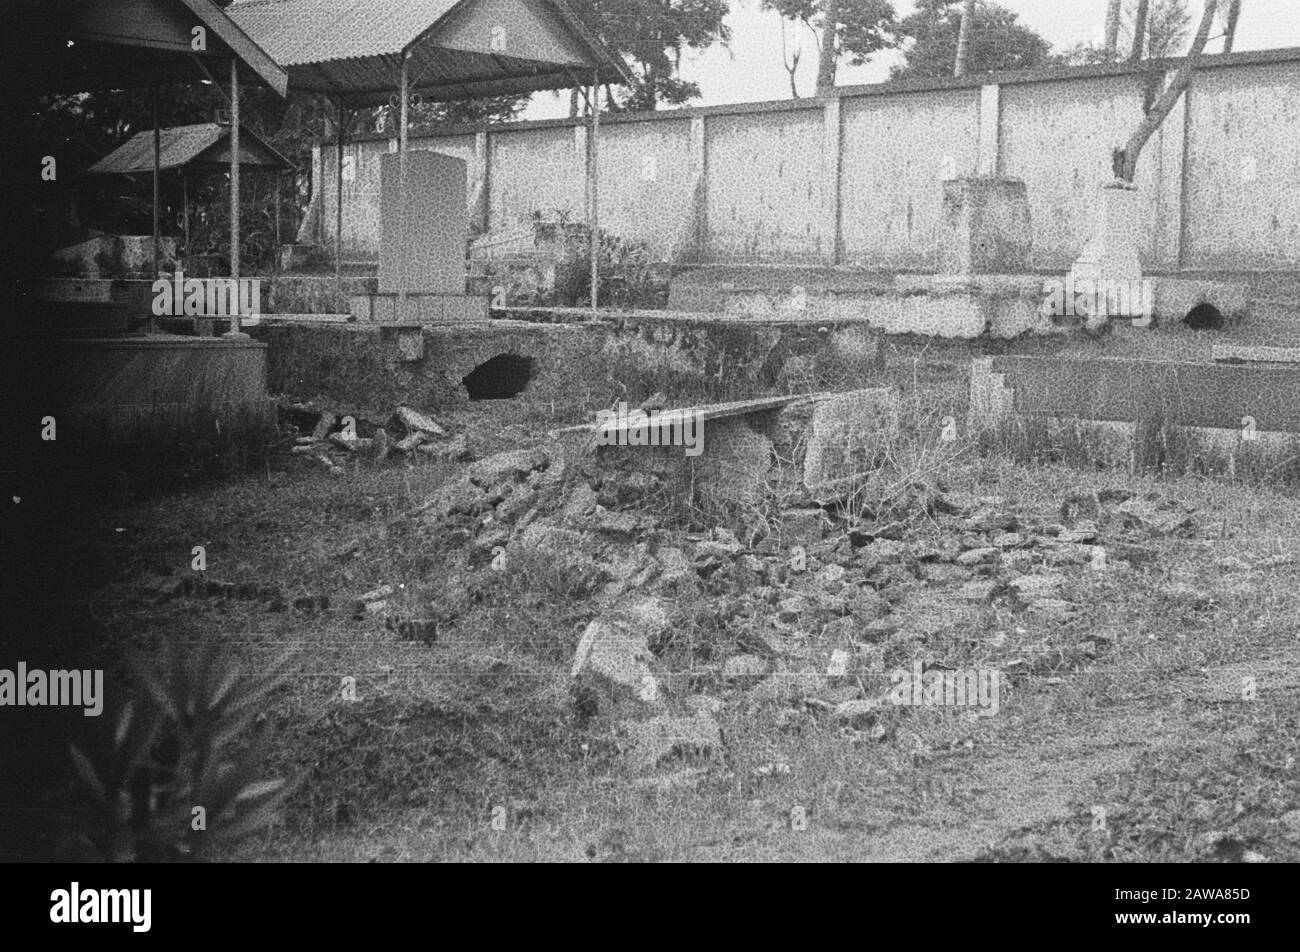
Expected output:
(1150, 705)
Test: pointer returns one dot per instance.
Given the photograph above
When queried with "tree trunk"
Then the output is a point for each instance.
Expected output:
(1112, 28)
(1230, 34)
(826, 62)
(1140, 30)
(963, 38)
(791, 63)
(573, 103)
(1126, 158)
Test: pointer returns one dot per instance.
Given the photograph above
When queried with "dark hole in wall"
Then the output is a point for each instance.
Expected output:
(1204, 317)
(502, 377)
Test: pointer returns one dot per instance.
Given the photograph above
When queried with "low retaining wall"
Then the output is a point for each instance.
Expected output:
(578, 366)
(117, 382)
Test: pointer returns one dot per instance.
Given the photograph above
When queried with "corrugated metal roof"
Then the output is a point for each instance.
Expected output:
(203, 144)
(128, 43)
(299, 32)
(351, 49)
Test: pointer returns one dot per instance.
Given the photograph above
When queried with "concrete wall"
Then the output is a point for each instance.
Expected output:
(857, 178)
(577, 367)
(895, 151)
(1244, 169)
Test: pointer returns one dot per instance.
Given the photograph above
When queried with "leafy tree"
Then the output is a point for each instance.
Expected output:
(427, 117)
(652, 35)
(862, 27)
(1162, 32)
(997, 41)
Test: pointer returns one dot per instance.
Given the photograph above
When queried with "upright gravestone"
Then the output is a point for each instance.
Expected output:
(423, 237)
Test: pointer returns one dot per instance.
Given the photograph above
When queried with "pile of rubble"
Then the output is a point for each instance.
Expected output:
(337, 437)
(815, 609)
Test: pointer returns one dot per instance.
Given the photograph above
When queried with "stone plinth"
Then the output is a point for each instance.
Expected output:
(985, 227)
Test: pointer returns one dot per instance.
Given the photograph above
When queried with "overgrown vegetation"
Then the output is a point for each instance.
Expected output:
(177, 770)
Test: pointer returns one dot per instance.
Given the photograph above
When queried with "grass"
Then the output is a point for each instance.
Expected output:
(470, 748)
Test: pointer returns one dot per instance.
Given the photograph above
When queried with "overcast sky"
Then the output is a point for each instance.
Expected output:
(751, 70)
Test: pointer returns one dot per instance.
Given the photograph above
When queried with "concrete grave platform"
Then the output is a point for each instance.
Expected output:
(419, 308)
(1128, 391)
(951, 306)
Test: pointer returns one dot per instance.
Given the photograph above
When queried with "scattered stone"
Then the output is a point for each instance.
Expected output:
(416, 422)
(356, 444)
(508, 466)
(713, 549)
(883, 552)
(518, 501)
(375, 594)
(985, 520)
(653, 741)
(1008, 540)
(1144, 514)
(1068, 553)
(613, 655)
(409, 443)
(423, 630)
(615, 523)
(579, 504)
(324, 425)
(1031, 587)
(972, 557)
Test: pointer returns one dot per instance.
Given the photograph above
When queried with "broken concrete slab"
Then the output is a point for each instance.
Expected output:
(850, 434)
(613, 657)
(510, 465)
(417, 422)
